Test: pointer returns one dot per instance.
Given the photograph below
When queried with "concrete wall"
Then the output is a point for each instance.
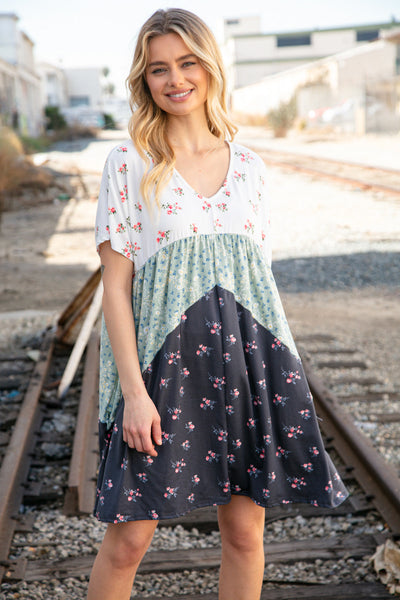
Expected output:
(84, 84)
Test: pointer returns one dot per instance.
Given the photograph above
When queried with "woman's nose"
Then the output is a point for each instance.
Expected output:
(175, 77)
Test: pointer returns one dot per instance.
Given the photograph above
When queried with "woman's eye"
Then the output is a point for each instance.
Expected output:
(157, 71)
(188, 63)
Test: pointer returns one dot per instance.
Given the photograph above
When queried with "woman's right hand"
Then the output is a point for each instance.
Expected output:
(141, 424)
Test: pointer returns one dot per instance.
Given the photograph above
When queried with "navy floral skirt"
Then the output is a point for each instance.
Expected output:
(237, 418)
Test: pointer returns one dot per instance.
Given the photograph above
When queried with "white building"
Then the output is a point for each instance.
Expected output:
(251, 55)
(357, 90)
(20, 100)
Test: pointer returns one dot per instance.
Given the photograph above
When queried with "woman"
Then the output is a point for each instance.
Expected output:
(203, 398)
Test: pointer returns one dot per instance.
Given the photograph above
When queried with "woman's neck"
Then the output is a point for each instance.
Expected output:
(190, 133)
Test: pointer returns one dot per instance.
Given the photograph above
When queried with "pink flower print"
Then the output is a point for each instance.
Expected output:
(286, 501)
(124, 193)
(260, 452)
(222, 206)
(296, 482)
(112, 210)
(167, 437)
(178, 191)
(172, 357)
(251, 423)
(214, 326)
(336, 476)
(276, 344)
(194, 228)
(147, 459)
(138, 207)
(108, 228)
(256, 400)
(236, 489)
(329, 486)
(212, 456)
(127, 250)
(206, 206)
(186, 445)
(123, 169)
(280, 400)
(249, 226)
(281, 452)
(263, 235)
(293, 431)
(234, 393)
(170, 492)
(190, 426)
(153, 514)
(308, 467)
(120, 228)
(222, 434)
(171, 207)
(229, 409)
(202, 349)
(339, 495)
(191, 498)
(178, 465)
(206, 403)
(314, 503)
(262, 383)
(217, 382)
(164, 382)
(272, 476)
(122, 149)
(195, 480)
(217, 224)
(115, 428)
(225, 486)
(143, 477)
(132, 494)
(237, 443)
(291, 376)
(239, 176)
(200, 196)
(137, 227)
(119, 518)
(231, 459)
(305, 413)
(163, 236)
(313, 450)
(175, 412)
(253, 471)
(124, 464)
(266, 493)
(230, 339)
(267, 439)
(254, 207)
(249, 347)
(255, 327)
(131, 249)
(227, 357)
(185, 372)
(181, 391)
(183, 318)
(109, 484)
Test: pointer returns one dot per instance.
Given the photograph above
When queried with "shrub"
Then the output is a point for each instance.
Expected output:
(282, 118)
(54, 119)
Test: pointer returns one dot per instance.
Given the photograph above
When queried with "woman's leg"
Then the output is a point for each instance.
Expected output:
(241, 523)
(114, 569)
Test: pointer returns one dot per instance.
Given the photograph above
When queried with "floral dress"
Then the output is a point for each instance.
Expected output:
(216, 353)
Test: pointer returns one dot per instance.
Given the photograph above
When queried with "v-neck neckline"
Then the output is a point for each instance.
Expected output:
(222, 186)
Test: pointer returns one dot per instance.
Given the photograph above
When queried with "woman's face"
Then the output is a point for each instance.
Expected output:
(177, 81)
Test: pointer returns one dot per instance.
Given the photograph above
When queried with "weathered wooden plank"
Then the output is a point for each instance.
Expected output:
(205, 558)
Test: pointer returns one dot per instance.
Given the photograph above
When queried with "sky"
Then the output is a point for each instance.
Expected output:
(98, 33)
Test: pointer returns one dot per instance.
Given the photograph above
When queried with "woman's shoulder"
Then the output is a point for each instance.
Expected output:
(246, 155)
(125, 153)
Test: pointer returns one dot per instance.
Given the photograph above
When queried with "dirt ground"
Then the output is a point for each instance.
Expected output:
(47, 253)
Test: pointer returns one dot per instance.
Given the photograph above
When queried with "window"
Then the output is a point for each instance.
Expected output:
(293, 40)
(79, 101)
(368, 35)
(232, 21)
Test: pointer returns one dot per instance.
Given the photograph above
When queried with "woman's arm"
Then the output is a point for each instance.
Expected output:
(141, 421)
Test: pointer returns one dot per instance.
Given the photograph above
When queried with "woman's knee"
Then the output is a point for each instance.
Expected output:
(126, 543)
(242, 526)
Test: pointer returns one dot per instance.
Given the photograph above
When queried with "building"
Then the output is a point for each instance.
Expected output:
(357, 90)
(251, 55)
(20, 96)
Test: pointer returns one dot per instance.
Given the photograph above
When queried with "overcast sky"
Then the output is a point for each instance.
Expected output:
(102, 33)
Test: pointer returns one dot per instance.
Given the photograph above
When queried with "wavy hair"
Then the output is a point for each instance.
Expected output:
(147, 125)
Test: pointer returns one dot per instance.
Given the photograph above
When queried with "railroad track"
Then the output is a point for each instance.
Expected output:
(43, 471)
(356, 175)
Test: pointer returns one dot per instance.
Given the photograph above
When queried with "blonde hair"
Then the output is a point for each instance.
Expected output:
(147, 125)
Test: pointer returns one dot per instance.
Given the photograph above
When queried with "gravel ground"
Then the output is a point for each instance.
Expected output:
(336, 261)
